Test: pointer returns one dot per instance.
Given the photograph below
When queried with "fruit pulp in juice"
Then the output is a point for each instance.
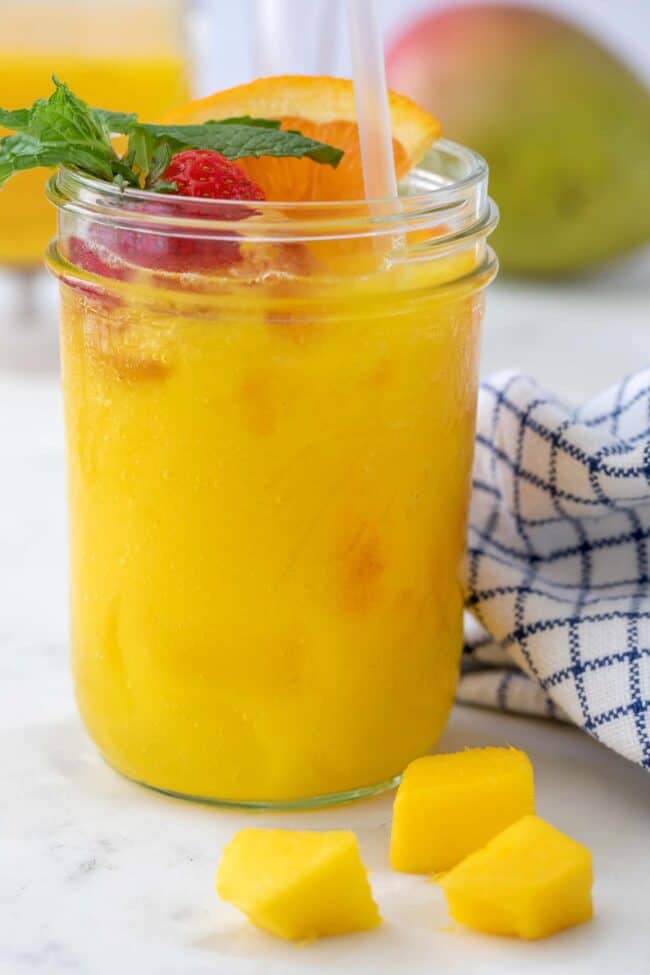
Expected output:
(268, 500)
(150, 86)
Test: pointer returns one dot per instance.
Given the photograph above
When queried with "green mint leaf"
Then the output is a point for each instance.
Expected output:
(25, 151)
(120, 181)
(262, 123)
(16, 120)
(163, 186)
(118, 123)
(121, 123)
(160, 160)
(235, 141)
(124, 173)
(142, 145)
(60, 130)
(64, 117)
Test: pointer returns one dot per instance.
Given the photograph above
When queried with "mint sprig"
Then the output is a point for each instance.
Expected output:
(64, 130)
(234, 138)
(14, 120)
(60, 129)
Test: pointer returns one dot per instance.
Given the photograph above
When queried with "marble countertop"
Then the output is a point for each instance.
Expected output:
(100, 875)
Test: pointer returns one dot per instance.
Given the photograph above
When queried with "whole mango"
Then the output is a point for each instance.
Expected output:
(563, 124)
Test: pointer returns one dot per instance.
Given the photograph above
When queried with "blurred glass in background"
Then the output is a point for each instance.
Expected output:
(116, 54)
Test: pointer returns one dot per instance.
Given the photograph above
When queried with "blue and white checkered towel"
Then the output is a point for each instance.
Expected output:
(558, 566)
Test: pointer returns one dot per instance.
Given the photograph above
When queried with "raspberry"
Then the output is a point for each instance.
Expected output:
(201, 174)
(208, 174)
(162, 251)
(99, 262)
(90, 259)
(198, 173)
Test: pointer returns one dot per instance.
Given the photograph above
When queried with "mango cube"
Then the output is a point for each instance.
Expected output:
(447, 806)
(531, 880)
(296, 884)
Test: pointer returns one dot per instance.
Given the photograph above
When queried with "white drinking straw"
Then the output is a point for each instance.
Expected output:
(371, 95)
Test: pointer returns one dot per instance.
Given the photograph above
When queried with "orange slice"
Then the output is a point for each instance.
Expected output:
(321, 108)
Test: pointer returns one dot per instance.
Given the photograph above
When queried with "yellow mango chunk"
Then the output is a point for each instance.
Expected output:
(530, 881)
(447, 806)
(297, 884)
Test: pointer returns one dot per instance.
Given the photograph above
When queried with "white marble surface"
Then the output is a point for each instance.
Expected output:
(98, 875)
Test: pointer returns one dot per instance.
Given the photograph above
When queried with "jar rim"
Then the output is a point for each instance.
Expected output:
(446, 194)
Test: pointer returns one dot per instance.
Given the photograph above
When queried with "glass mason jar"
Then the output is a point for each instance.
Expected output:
(270, 421)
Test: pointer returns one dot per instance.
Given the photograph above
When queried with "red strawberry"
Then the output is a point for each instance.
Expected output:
(205, 173)
(199, 173)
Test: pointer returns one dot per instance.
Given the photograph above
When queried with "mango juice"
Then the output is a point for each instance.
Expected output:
(267, 520)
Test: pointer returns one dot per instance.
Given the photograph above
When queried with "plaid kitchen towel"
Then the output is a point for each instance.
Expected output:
(558, 565)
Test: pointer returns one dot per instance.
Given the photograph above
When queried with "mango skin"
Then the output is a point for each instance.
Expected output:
(563, 125)
(530, 881)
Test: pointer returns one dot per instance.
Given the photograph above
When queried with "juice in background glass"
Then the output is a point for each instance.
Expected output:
(88, 46)
(268, 473)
